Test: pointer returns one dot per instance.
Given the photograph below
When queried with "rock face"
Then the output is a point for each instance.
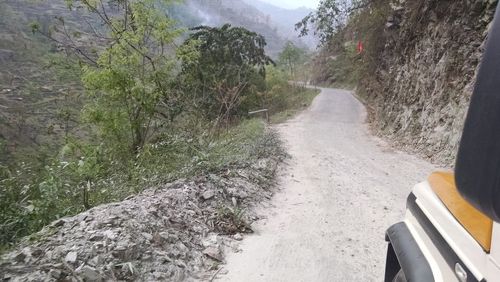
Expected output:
(6, 55)
(423, 83)
(168, 233)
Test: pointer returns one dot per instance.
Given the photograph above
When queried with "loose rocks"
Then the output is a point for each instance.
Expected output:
(165, 233)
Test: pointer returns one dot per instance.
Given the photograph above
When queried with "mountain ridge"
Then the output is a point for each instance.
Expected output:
(286, 19)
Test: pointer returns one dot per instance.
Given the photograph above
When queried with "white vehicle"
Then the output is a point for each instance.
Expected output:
(451, 231)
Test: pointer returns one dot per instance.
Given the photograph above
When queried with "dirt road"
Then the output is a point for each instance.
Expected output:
(340, 192)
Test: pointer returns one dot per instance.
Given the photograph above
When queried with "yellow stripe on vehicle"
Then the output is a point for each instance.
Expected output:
(479, 226)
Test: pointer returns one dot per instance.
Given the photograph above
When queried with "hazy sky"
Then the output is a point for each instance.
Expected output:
(294, 3)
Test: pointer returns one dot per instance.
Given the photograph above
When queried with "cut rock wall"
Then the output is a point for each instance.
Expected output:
(421, 89)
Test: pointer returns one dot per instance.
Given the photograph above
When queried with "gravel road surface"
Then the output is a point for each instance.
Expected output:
(338, 194)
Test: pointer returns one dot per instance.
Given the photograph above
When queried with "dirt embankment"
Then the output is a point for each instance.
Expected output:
(176, 232)
(422, 86)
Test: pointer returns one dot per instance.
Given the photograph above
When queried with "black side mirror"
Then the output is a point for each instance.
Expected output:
(477, 171)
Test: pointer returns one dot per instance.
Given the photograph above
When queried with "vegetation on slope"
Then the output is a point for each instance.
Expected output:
(39, 89)
(150, 116)
(343, 27)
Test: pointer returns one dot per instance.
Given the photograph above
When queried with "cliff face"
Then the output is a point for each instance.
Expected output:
(421, 88)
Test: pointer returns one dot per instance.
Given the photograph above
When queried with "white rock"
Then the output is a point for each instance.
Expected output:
(55, 273)
(208, 195)
(110, 234)
(71, 257)
(148, 236)
(210, 240)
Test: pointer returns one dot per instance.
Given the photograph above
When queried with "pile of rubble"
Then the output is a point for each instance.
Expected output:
(175, 232)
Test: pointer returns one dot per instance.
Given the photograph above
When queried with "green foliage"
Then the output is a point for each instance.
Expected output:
(284, 99)
(149, 112)
(339, 63)
(345, 69)
(292, 57)
(31, 196)
(35, 26)
(230, 67)
(369, 23)
(83, 176)
(330, 17)
(132, 75)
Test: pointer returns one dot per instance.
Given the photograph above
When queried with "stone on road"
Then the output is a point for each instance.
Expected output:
(341, 190)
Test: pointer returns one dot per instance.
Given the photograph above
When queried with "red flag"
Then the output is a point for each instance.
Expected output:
(360, 47)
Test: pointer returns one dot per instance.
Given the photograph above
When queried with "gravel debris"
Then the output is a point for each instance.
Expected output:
(174, 232)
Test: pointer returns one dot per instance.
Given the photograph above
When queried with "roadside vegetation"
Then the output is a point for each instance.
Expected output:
(288, 84)
(153, 111)
(350, 40)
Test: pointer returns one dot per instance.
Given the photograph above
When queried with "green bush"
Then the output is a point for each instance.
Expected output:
(83, 176)
(284, 99)
(31, 196)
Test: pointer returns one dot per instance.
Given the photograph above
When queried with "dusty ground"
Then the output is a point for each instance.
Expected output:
(342, 189)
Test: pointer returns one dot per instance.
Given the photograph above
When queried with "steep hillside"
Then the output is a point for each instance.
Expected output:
(238, 13)
(40, 89)
(421, 89)
(286, 19)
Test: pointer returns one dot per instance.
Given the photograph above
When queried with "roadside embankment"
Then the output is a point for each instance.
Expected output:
(176, 231)
(171, 232)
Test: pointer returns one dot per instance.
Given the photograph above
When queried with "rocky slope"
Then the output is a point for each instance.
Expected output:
(421, 88)
(176, 232)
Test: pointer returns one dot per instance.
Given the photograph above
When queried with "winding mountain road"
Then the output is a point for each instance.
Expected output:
(341, 190)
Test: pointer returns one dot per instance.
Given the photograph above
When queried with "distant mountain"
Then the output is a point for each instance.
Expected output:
(285, 19)
(240, 13)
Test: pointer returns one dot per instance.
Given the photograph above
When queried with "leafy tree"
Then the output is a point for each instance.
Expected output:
(291, 56)
(330, 17)
(129, 74)
(230, 65)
